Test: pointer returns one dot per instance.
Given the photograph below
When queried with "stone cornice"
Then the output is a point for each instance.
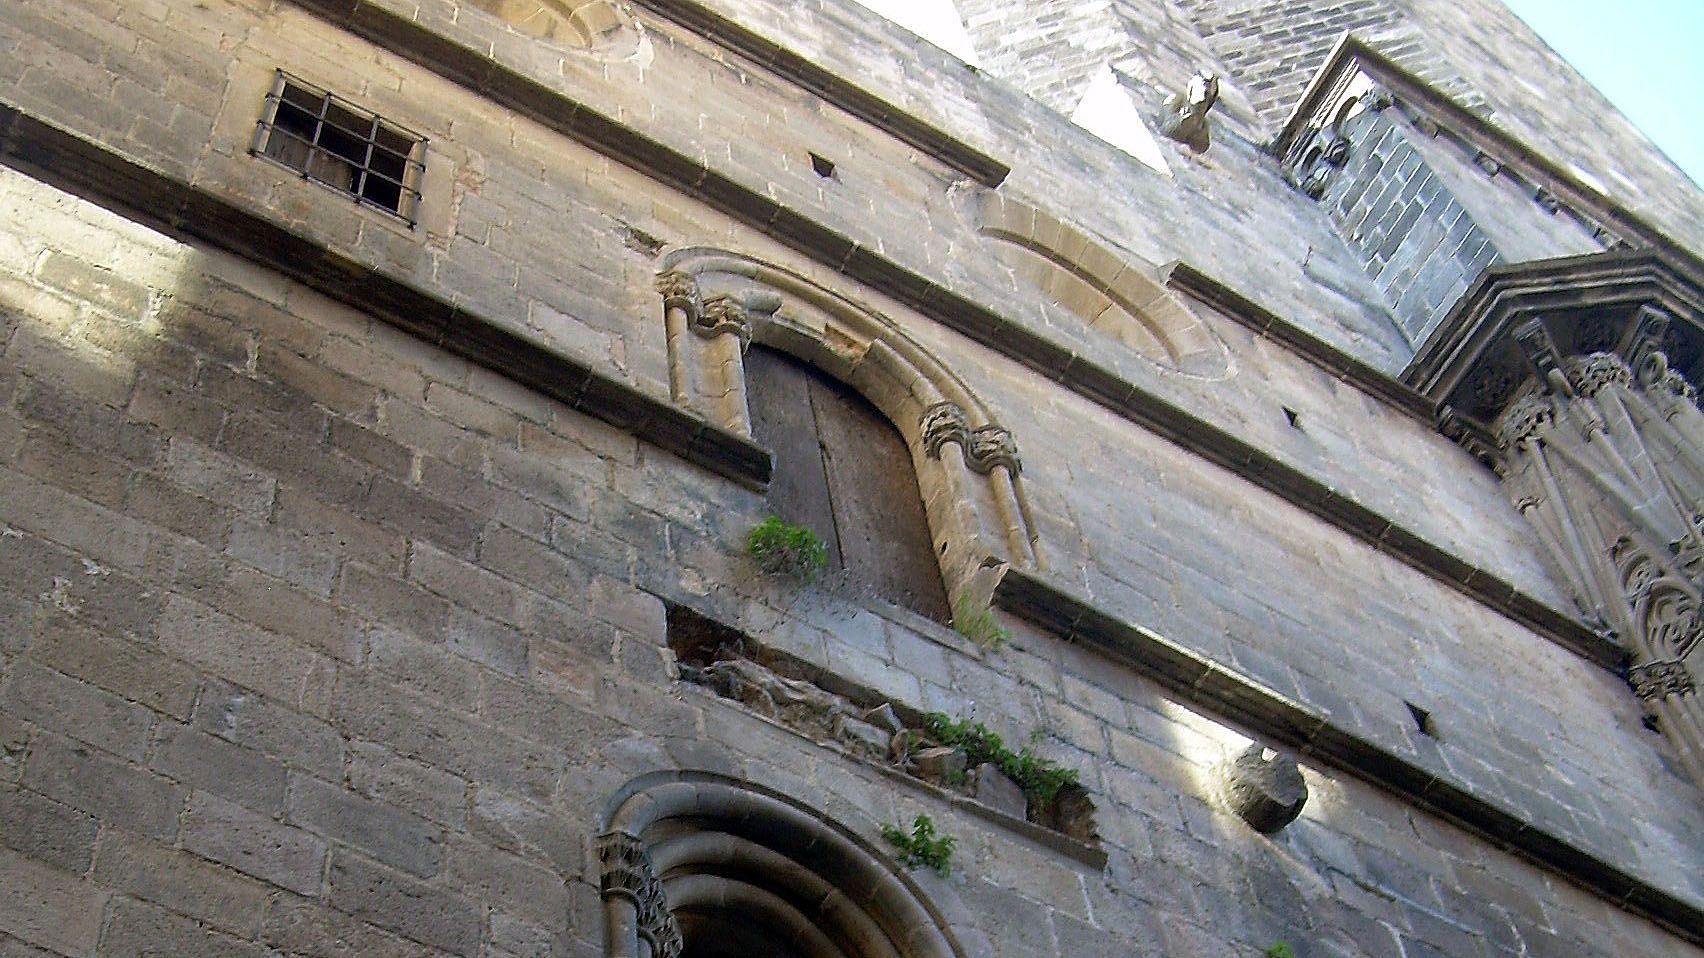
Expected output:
(91, 171)
(833, 88)
(1271, 716)
(1330, 359)
(1476, 337)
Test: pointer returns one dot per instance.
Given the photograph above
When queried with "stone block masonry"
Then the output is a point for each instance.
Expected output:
(340, 627)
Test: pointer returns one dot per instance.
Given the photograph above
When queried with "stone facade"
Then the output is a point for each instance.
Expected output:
(382, 588)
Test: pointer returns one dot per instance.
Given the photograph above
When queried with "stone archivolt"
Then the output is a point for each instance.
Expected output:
(1108, 291)
(716, 303)
(721, 860)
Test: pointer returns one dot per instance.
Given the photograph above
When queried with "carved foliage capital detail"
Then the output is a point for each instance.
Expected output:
(679, 291)
(627, 873)
(723, 314)
(1659, 680)
(984, 447)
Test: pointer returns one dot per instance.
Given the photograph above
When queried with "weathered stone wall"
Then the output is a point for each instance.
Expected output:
(320, 642)
(318, 632)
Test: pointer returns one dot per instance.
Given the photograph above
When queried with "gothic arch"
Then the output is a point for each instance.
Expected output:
(691, 857)
(716, 303)
(1106, 290)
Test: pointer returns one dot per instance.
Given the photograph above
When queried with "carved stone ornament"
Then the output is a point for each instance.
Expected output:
(679, 291)
(724, 313)
(1264, 788)
(942, 423)
(1592, 373)
(1184, 116)
(992, 446)
(1526, 417)
(1659, 680)
(627, 873)
(984, 447)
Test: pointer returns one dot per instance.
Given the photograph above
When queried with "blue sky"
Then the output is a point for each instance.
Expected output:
(1647, 56)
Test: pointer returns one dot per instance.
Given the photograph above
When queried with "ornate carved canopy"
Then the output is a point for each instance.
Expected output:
(1518, 319)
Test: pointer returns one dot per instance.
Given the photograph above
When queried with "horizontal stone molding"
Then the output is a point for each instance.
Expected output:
(1270, 716)
(979, 323)
(91, 171)
(833, 88)
(1331, 360)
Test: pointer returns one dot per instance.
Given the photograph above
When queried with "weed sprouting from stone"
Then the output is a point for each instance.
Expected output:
(922, 846)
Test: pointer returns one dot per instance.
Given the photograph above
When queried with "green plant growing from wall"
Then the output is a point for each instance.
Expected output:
(922, 846)
(978, 624)
(781, 548)
(1039, 778)
(1280, 949)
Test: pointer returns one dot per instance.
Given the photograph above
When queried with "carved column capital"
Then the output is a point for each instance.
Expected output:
(1659, 680)
(1525, 418)
(984, 447)
(942, 423)
(724, 313)
(626, 872)
(1590, 374)
(679, 291)
(992, 446)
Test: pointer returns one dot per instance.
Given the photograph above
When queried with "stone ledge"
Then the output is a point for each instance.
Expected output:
(89, 170)
(505, 86)
(1236, 698)
(1333, 361)
(866, 106)
(1046, 837)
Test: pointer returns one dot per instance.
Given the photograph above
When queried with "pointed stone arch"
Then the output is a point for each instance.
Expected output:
(716, 303)
(690, 855)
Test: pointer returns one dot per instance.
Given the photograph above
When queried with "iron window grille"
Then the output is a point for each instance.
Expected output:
(331, 141)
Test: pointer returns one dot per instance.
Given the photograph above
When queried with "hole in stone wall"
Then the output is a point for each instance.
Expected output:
(698, 641)
(1294, 417)
(1422, 720)
(823, 166)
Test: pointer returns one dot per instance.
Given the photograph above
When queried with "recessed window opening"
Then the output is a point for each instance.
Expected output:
(333, 142)
(1422, 720)
(823, 166)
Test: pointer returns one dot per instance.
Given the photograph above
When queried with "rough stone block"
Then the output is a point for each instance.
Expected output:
(428, 914)
(42, 828)
(994, 789)
(214, 765)
(49, 907)
(254, 844)
(389, 834)
(181, 882)
(77, 709)
(106, 787)
(144, 930)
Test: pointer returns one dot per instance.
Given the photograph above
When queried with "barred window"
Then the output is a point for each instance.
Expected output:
(329, 140)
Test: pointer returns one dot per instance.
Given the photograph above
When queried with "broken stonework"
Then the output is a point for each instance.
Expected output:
(998, 792)
(939, 763)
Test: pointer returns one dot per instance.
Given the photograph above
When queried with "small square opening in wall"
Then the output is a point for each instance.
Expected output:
(333, 142)
(823, 166)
